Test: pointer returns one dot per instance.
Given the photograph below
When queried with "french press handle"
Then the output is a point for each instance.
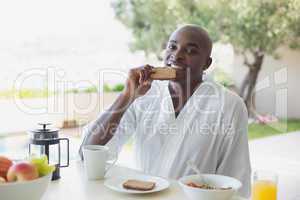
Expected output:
(68, 152)
(44, 125)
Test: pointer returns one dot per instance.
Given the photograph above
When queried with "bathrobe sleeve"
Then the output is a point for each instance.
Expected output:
(123, 132)
(234, 158)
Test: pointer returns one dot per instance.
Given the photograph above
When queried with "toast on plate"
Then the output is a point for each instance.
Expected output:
(133, 184)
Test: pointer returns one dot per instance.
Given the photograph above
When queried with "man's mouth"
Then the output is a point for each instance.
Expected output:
(176, 65)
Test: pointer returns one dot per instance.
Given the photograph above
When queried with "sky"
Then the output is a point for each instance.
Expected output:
(75, 38)
(78, 37)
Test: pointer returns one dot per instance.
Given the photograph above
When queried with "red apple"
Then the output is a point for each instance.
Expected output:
(23, 171)
(5, 164)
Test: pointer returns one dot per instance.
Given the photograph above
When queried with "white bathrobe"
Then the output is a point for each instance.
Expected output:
(210, 131)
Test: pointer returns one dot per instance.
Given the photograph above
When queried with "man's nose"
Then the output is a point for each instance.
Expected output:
(177, 55)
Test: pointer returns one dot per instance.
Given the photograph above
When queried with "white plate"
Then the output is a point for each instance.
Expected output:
(116, 184)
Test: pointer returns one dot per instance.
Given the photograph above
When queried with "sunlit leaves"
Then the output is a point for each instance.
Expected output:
(250, 25)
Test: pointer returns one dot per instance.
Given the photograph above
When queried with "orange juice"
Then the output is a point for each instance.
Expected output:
(264, 190)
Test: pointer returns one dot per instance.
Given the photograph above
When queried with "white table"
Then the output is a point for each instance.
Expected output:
(73, 185)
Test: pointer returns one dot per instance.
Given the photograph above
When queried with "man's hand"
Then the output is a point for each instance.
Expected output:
(137, 84)
(138, 81)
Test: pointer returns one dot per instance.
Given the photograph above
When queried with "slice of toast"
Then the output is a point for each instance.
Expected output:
(138, 185)
(163, 73)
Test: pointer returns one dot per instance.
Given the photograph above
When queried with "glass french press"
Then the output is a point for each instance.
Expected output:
(47, 142)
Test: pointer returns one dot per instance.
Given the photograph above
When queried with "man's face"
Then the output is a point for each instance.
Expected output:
(187, 49)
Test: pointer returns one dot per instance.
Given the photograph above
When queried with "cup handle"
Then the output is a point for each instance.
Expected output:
(113, 159)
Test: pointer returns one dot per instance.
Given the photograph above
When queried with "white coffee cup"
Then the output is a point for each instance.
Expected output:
(96, 159)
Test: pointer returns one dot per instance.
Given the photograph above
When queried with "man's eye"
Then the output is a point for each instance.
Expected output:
(191, 51)
(171, 46)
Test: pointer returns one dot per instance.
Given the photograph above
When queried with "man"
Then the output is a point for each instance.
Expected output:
(175, 122)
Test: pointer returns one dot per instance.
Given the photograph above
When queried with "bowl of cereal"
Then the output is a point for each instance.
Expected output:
(209, 187)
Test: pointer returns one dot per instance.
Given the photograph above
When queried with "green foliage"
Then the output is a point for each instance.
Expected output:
(92, 89)
(74, 90)
(264, 130)
(295, 24)
(44, 93)
(152, 22)
(106, 88)
(25, 93)
(258, 25)
(33, 93)
(250, 25)
(118, 87)
(6, 94)
(222, 77)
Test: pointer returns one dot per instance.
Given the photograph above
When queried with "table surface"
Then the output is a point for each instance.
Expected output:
(73, 185)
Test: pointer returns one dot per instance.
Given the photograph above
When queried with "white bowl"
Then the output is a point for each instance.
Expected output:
(27, 190)
(213, 180)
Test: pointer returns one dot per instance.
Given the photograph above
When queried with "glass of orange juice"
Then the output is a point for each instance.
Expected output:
(264, 185)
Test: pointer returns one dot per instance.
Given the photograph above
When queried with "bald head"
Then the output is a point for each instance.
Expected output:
(198, 33)
(189, 47)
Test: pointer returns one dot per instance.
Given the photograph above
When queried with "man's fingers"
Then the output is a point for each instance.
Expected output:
(148, 67)
(181, 74)
(140, 77)
(147, 70)
(147, 82)
(142, 74)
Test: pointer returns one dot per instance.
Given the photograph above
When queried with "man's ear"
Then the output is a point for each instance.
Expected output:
(208, 63)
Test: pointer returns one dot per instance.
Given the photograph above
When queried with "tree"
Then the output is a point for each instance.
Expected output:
(255, 28)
